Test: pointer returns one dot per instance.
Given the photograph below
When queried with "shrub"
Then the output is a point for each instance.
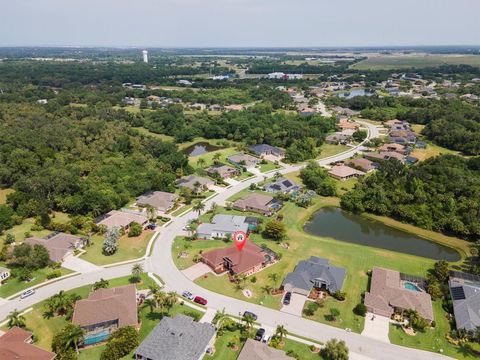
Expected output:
(9, 239)
(311, 308)
(360, 309)
(120, 343)
(253, 279)
(54, 274)
(135, 229)
(339, 295)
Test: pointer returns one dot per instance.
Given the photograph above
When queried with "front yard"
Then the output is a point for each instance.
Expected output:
(129, 248)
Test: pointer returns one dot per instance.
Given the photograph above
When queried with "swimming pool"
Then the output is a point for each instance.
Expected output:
(96, 338)
(411, 286)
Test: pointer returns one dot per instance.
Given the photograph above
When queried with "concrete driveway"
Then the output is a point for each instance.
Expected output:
(76, 264)
(296, 305)
(195, 271)
(376, 327)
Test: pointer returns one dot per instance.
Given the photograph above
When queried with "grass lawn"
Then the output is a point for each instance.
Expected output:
(162, 137)
(269, 166)
(344, 186)
(243, 175)
(3, 195)
(129, 248)
(244, 193)
(327, 150)
(208, 157)
(191, 248)
(44, 329)
(432, 150)
(13, 286)
(432, 339)
(181, 210)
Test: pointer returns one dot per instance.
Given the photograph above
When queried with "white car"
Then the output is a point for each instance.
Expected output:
(27, 294)
(188, 295)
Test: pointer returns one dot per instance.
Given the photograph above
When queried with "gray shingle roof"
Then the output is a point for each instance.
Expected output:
(283, 185)
(466, 310)
(308, 271)
(177, 338)
(224, 223)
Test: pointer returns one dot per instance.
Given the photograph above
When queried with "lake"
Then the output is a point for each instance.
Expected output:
(344, 226)
(355, 92)
(200, 148)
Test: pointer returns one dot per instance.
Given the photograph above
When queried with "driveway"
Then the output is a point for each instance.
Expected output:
(377, 328)
(76, 264)
(296, 305)
(195, 271)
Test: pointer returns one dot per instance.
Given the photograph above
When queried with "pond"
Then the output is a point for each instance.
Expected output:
(355, 92)
(200, 148)
(344, 226)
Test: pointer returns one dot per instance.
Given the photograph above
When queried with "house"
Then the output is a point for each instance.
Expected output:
(4, 274)
(385, 156)
(263, 204)
(225, 225)
(250, 260)
(242, 159)
(42, 101)
(177, 338)
(234, 107)
(338, 138)
(121, 219)
(159, 200)
(222, 170)
(104, 311)
(195, 183)
(344, 172)
(282, 185)
(265, 149)
(184, 82)
(402, 137)
(314, 273)
(401, 149)
(347, 125)
(465, 292)
(257, 350)
(389, 293)
(17, 344)
(58, 244)
(362, 164)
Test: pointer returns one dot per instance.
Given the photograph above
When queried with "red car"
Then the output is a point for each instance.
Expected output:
(200, 300)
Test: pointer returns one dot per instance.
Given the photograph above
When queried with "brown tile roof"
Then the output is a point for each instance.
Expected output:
(158, 199)
(387, 292)
(106, 305)
(361, 163)
(256, 350)
(255, 201)
(343, 171)
(222, 170)
(250, 256)
(392, 147)
(121, 219)
(58, 245)
(14, 345)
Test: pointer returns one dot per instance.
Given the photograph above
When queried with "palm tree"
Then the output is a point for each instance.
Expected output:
(196, 187)
(151, 303)
(267, 289)
(199, 207)
(274, 278)
(201, 162)
(73, 335)
(220, 317)
(170, 300)
(151, 213)
(137, 271)
(216, 157)
(281, 332)
(153, 290)
(248, 320)
(160, 299)
(100, 284)
(213, 207)
(16, 319)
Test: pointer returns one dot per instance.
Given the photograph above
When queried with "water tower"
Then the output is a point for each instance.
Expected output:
(145, 56)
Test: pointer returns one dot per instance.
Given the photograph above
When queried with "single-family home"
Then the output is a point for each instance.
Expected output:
(250, 260)
(402, 137)
(345, 125)
(4, 274)
(104, 311)
(234, 107)
(344, 172)
(224, 225)
(392, 292)
(265, 149)
(196, 183)
(314, 273)
(465, 292)
(244, 160)
(58, 244)
(121, 219)
(385, 156)
(17, 344)
(257, 350)
(177, 338)
(338, 138)
(222, 170)
(362, 164)
(282, 185)
(394, 147)
(159, 200)
(263, 204)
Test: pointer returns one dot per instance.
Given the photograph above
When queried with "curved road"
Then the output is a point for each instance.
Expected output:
(161, 263)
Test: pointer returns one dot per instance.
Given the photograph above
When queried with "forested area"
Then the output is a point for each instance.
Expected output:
(452, 123)
(78, 160)
(440, 194)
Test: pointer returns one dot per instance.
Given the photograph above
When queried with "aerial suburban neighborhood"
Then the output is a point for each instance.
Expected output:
(197, 198)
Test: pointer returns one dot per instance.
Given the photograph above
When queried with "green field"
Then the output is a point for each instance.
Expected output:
(418, 61)
(3, 195)
(147, 132)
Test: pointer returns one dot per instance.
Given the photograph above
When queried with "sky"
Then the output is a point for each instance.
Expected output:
(239, 23)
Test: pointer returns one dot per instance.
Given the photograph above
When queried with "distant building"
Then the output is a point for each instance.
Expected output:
(343, 172)
(242, 159)
(145, 56)
(283, 76)
(222, 170)
(42, 101)
(225, 225)
(338, 138)
(160, 200)
(362, 164)
(263, 204)
(58, 244)
(175, 338)
(121, 219)
(191, 182)
(282, 185)
(401, 149)
(265, 149)
(17, 344)
(184, 82)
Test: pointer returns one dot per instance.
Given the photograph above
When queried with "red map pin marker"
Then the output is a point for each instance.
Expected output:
(239, 238)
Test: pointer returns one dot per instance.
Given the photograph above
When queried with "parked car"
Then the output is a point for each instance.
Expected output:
(254, 316)
(27, 294)
(151, 226)
(188, 295)
(259, 335)
(266, 339)
(200, 300)
(286, 299)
